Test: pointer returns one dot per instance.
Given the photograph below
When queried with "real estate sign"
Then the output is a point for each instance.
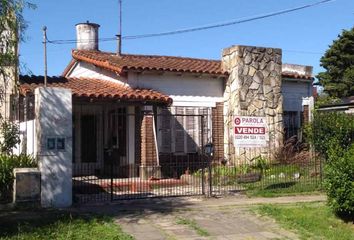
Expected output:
(250, 131)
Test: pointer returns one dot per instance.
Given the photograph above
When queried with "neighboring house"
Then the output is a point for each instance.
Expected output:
(143, 109)
(346, 106)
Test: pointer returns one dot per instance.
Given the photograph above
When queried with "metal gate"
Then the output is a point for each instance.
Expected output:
(145, 154)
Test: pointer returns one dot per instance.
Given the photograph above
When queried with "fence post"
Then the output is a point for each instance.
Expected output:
(210, 177)
(202, 153)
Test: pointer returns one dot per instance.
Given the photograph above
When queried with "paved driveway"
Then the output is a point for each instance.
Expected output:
(198, 218)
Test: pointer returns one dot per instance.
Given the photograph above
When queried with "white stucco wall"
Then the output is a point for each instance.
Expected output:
(53, 108)
(27, 139)
(83, 69)
(293, 92)
(185, 90)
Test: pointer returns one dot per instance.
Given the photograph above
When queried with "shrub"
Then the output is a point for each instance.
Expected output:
(293, 152)
(328, 128)
(7, 164)
(10, 136)
(339, 181)
(260, 163)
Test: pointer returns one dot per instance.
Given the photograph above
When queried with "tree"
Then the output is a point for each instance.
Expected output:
(338, 61)
(12, 27)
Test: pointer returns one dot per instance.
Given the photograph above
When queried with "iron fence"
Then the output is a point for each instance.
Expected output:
(128, 152)
(182, 167)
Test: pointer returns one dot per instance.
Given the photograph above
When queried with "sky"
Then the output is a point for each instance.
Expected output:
(303, 35)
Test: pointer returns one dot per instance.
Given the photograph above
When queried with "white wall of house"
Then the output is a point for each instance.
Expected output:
(86, 70)
(185, 89)
(27, 138)
(293, 92)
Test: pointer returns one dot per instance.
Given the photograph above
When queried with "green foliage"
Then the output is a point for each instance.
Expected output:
(12, 27)
(7, 165)
(230, 171)
(10, 136)
(338, 61)
(325, 99)
(332, 135)
(309, 220)
(329, 129)
(339, 181)
(61, 226)
(261, 164)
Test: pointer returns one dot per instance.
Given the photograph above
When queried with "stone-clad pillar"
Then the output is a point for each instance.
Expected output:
(253, 89)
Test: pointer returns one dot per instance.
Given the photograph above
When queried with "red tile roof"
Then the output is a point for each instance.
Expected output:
(94, 88)
(126, 62)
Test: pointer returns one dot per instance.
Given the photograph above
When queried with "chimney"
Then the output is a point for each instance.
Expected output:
(87, 36)
(119, 44)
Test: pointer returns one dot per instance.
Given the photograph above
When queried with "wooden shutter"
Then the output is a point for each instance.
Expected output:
(192, 130)
(179, 130)
(203, 112)
(165, 118)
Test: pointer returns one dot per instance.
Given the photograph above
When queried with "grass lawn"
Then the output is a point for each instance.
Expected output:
(283, 188)
(309, 220)
(59, 226)
(277, 180)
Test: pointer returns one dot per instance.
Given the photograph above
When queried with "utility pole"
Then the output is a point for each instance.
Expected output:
(45, 54)
(119, 35)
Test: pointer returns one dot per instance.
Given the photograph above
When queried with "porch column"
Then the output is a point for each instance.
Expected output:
(149, 166)
(131, 140)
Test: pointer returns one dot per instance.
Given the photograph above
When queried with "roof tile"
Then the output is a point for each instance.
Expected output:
(94, 88)
(125, 62)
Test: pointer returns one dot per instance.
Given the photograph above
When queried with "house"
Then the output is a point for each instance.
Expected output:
(152, 115)
(346, 105)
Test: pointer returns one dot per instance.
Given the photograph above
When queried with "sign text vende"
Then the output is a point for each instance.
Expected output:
(250, 131)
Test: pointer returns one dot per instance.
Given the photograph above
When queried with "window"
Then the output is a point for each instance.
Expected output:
(180, 129)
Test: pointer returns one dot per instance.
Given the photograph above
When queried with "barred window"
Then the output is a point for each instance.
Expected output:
(180, 129)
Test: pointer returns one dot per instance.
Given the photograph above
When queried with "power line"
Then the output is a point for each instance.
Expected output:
(233, 22)
(211, 26)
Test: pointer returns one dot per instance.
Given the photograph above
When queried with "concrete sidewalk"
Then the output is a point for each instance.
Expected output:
(198, 218)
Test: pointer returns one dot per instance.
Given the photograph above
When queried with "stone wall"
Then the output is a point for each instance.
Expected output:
(253, 89)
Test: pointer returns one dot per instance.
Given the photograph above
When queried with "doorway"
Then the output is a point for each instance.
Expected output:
(115, 151)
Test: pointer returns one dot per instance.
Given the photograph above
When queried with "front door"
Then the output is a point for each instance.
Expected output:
(88, 138)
